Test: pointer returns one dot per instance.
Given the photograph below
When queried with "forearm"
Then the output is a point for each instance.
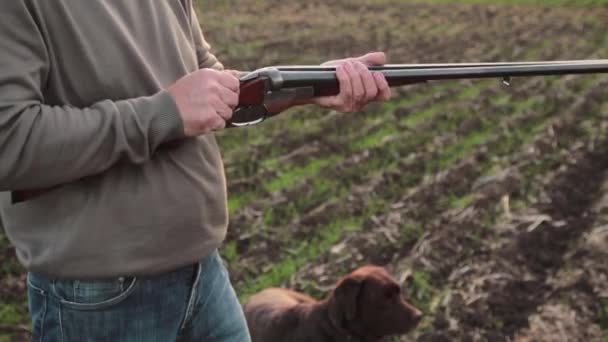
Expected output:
(43, 145)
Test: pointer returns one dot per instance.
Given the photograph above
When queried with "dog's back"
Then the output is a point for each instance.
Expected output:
(273, 313)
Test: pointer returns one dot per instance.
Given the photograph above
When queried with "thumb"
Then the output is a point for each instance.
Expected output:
(373, 58)
(236, 73)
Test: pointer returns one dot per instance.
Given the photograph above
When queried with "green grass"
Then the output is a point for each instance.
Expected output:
(422, 291)
(374, 139)
(461, 149)
(238, 201)
(417, 118)
(409, 233)
(6, 338)
(291, 177)
(10, 314)
(298, 256)
(603, 318)
(461, 202)
(229, 251)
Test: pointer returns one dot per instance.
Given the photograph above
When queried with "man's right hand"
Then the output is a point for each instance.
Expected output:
(205, 98)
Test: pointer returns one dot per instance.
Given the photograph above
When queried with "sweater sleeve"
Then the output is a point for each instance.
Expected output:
(43, 145)
(203, 49)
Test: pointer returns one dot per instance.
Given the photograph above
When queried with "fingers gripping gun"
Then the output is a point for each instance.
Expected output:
(266, 92)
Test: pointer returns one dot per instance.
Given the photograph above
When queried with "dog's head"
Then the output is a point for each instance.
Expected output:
(369, 304)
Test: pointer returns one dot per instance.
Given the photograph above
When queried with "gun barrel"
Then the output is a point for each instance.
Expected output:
(482, 71)
(325, 82)
(441, 65)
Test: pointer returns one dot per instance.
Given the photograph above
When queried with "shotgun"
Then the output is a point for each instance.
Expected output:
(266, 92)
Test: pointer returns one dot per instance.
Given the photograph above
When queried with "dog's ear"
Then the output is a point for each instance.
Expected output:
(343, 303)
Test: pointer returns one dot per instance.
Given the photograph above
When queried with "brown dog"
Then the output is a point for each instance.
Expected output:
(365, 306)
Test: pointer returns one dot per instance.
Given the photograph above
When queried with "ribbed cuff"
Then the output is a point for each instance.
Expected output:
(164, 120)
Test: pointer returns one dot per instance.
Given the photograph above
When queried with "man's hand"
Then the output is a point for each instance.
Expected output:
(358, 86)
(205, 98)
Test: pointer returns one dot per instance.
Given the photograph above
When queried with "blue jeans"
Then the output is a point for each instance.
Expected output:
(194, 303)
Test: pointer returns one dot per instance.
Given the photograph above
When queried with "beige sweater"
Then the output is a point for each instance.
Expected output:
(83, 114)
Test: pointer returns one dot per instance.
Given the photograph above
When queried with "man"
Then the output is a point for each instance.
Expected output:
(113, 187)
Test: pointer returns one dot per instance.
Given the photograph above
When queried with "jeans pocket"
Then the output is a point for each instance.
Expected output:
(37, 305)
(94, 294)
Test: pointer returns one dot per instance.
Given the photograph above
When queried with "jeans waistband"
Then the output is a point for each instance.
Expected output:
(44, 283)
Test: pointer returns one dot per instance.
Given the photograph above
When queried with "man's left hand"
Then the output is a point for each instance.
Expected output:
(358, 86)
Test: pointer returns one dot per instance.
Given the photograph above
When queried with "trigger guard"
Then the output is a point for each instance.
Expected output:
(258, 113)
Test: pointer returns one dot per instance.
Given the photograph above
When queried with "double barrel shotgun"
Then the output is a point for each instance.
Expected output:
(266, 92)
